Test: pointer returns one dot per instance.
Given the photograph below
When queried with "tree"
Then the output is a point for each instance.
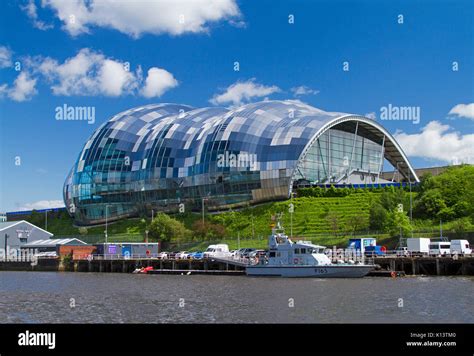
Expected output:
(391, 197)
(378, 217)
(448, 196)
(333, 220)
(460, 227)
(430, 204)
(354, 223)
(397, 222)
(208, 230)
(36, 218)
(83, 230)
(165, 228)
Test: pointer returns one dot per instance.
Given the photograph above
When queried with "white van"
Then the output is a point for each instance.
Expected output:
(460, 247)
(219, 251)
(438, 248)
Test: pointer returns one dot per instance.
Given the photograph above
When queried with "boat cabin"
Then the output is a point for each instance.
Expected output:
(283, 251)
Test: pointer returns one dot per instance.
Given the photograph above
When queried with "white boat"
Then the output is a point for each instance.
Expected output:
(301, 259)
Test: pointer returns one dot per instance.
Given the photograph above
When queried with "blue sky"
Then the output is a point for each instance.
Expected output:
(402, 64)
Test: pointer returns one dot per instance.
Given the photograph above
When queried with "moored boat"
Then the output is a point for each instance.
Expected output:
(286, 258)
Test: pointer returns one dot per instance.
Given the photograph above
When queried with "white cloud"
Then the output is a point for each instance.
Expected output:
(43, 204)
(114, 79)
(135, 18)
(463, 110)
(243, 91)
(439, 142)
(32, 12)
(91, 73)
(3, 90)
(157, 82)
(24, 88)
(303, 90)
(88, 73)
(5, 57)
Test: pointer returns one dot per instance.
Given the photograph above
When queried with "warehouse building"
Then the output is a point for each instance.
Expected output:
(15, 234)
(59, 247)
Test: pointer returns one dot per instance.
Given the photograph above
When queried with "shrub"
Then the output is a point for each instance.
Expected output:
(378, 217)
(208, 230)
(165, 228)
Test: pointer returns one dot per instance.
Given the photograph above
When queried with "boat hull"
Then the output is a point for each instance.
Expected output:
(332, 271)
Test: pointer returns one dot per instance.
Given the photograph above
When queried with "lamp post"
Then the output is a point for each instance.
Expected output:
(46, 219)
(106, 224)
(203, 210)
(291, 211)
(6, 238)
(253, 229)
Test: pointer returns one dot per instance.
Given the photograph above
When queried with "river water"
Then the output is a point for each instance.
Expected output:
(52, 297)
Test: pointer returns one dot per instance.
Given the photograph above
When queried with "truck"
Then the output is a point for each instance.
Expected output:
(219, 251)
(418, 246)
(460, 247)
(360, 244)
(375, 251)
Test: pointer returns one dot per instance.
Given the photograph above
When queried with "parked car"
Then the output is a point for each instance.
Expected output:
(172, 255)
(196, 255)
(402, 251)
(163, 255)
(181, 255)
(244, 252)
(257, 253)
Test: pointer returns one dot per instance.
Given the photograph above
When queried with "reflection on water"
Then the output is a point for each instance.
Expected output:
(49, 297)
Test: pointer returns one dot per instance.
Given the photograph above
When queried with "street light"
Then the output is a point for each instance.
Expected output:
(253, 229)
(106, 225)
(46, 219)
(291, 211)
(203, 210)
(6, 238)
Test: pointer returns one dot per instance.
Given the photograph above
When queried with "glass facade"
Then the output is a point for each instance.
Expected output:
(168, 156)
(337, 156)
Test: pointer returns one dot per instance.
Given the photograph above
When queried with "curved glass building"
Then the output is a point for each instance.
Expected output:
(167, 156)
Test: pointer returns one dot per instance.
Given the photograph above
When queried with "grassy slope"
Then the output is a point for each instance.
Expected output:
(311, 221)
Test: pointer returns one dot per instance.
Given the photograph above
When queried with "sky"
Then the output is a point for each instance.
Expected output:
(372, 58)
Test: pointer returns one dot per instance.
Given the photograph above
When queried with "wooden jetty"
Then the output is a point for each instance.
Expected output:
(433, 266)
